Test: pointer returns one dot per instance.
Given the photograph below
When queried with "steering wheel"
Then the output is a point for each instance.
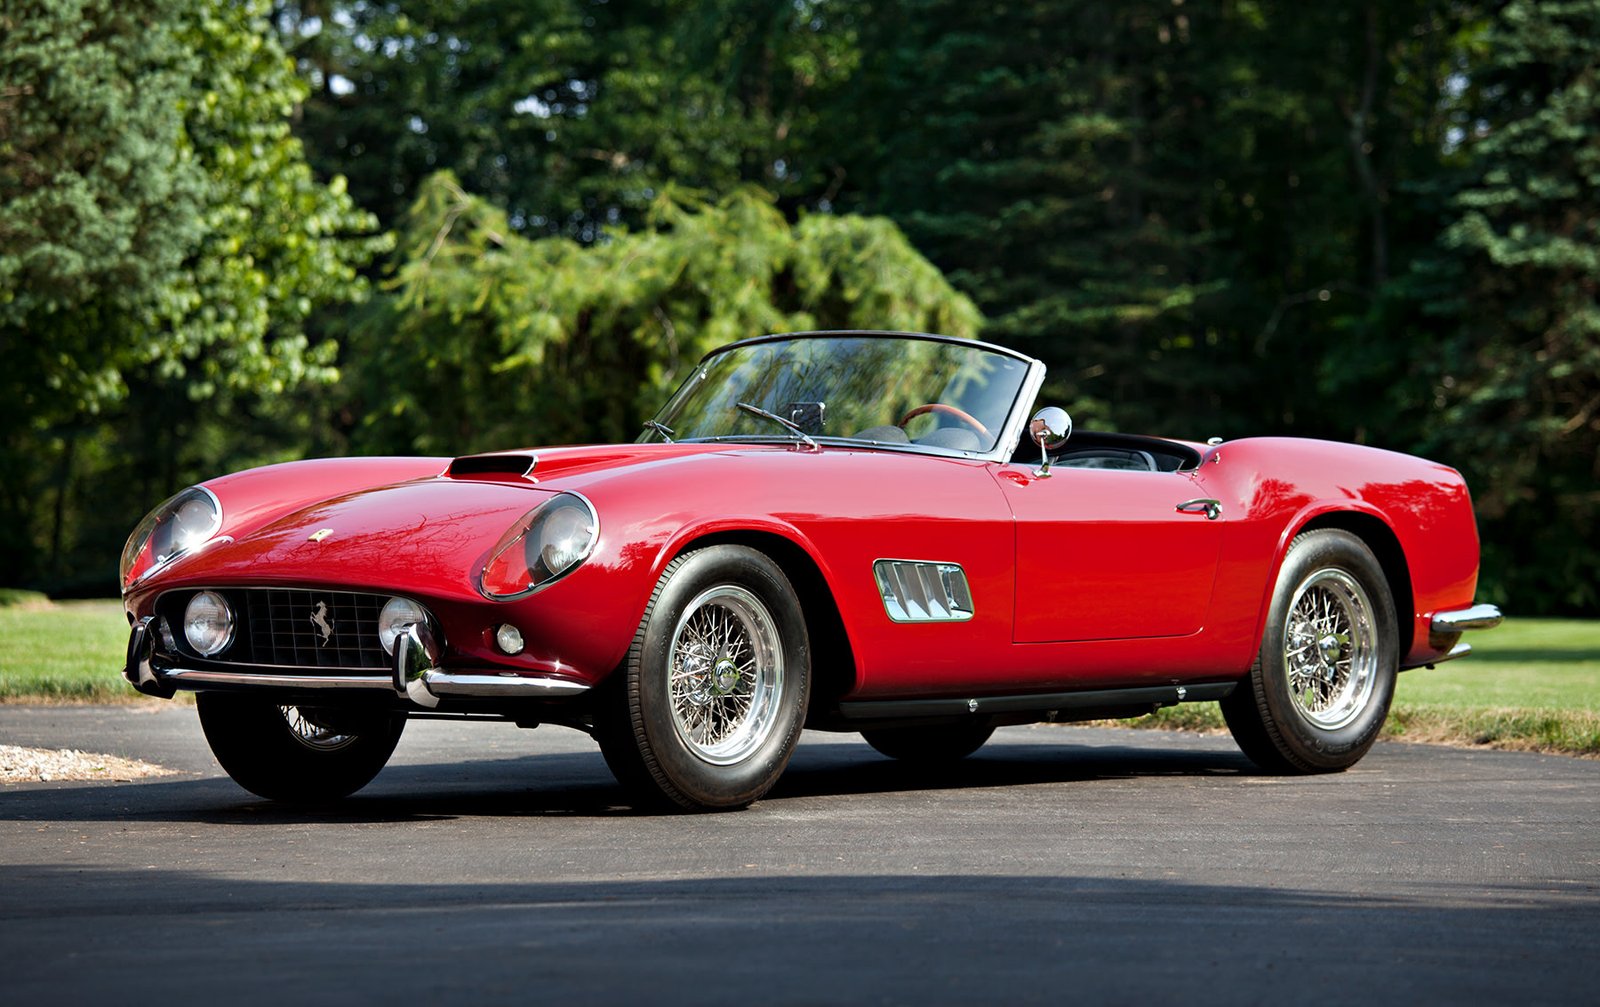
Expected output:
(948, 410)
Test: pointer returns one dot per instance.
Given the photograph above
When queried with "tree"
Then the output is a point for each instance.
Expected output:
(489, 339)
(1517, 280)
(160, 233)
(569, 115)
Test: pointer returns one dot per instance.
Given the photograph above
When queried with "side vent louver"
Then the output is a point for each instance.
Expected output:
(923, 591)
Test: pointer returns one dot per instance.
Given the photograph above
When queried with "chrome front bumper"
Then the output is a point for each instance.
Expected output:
(415, 675)
(1445, 629)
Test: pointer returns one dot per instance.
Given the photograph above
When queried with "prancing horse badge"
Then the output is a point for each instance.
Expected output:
(323, 624)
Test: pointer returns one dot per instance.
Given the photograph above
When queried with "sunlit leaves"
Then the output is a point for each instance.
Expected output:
(490, 339)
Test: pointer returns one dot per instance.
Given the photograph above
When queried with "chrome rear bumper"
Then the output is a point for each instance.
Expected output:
(1445, 629)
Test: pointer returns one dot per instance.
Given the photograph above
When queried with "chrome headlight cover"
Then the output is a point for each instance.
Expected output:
(545, 544)
(176, 527)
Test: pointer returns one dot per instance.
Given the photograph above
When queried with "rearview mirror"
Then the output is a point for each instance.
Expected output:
(1050, 428)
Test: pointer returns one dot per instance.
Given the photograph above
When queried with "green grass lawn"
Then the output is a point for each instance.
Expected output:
(1551, 664)
(1531, 683)
(63, 651)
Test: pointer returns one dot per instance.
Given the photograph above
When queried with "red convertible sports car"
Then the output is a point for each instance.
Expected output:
(844, 531)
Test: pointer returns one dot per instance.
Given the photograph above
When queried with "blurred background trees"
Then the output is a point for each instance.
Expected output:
(232, 232)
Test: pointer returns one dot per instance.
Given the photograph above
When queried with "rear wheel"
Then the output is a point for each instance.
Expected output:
(297, 754)
(930, 744)
(1320, 688)
(708, 706)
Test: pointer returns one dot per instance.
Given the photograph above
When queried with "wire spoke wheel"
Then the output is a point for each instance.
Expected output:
(306, 727)
(1330, 649)
(1318, 693)
(725, 674)
(708, 705)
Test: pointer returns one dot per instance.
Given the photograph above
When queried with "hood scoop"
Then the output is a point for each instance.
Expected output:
(514, 465)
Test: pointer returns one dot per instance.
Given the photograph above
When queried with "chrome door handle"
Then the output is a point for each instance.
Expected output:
(1212, 509)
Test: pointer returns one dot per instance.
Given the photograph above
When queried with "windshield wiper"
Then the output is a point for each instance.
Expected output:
(788, 425)
(660, 428)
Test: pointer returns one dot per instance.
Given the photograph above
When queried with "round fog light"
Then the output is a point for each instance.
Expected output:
(508, 638)
(397, 612)
(208, 623)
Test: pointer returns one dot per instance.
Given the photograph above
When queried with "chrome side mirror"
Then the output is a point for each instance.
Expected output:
(1050, 428)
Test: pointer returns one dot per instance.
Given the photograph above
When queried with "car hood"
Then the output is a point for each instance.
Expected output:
(428, 536)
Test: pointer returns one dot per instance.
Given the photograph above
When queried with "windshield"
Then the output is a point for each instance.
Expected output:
(878, 389)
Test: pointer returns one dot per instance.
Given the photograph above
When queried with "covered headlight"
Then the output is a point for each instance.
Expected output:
(396, 615)
(208, 623)
(177, 526)
(544, 545)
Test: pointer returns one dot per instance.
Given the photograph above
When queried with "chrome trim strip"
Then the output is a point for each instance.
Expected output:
(1005, 446)
(442, 683)
(1462, 619)
(927, 337)
(189, 678)
(438, 683)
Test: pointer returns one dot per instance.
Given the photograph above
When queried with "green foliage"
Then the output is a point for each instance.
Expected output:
(161, 235)
(1184, 210)
(490, 339)
(102, 199)
(569, 115)
(1369, 221)
(1517, 280)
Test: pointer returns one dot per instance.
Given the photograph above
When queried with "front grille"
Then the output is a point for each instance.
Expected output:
(295, 628)
(310, 629)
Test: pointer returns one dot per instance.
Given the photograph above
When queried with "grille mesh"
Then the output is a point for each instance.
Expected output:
(288, 627)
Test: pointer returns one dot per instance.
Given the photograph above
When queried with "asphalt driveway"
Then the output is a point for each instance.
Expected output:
(1058, 865)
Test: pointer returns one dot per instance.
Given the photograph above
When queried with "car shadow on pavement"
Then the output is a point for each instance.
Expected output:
(857, 769)
(99, 935)
(578, 784)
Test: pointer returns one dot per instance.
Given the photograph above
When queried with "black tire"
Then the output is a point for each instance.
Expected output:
(1319, 691)
(295, 754)
(707, 708)
(930, 744)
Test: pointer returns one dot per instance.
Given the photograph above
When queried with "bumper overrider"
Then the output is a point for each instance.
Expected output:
(415, 674)
(1445, 629)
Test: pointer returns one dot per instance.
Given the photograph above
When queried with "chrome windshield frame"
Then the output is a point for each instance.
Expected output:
(1005, 446)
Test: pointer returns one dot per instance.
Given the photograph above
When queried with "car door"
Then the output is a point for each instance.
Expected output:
(1110, 555)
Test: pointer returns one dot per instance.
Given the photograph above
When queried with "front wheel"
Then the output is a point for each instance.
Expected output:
(708, 706)
(1320, 688)
(297, 754)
